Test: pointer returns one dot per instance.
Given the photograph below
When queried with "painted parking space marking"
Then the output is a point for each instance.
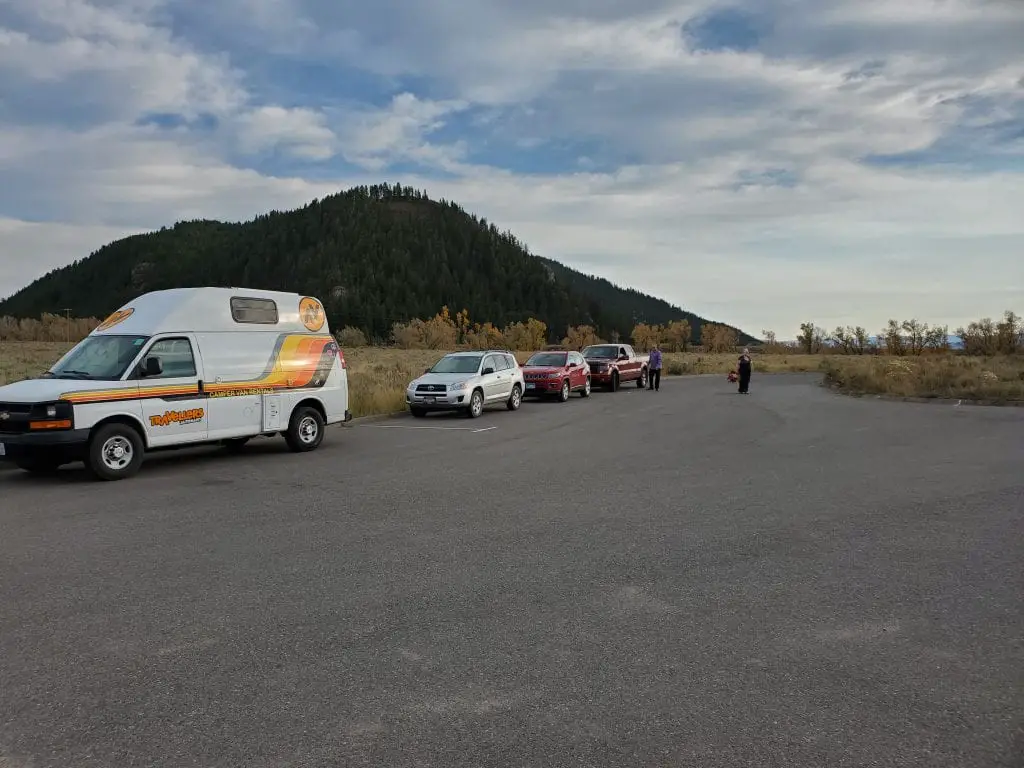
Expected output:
(439, 429)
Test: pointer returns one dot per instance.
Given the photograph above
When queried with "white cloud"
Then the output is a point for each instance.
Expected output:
(376, 138)
(673, 129)
(300, 131)
(30, 249)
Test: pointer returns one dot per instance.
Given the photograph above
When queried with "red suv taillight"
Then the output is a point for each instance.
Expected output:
(341, 359)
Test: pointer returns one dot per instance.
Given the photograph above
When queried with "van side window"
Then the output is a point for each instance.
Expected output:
(175, 356)
(263, 311)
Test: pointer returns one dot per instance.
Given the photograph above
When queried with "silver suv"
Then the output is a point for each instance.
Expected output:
(467, 381)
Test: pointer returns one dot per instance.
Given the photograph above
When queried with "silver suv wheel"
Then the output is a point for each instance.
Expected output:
(515, 399)
(476, 404)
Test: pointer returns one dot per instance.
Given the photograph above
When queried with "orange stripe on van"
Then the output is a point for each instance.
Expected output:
(295, 363)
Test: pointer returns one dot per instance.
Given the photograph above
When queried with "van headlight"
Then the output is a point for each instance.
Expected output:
(58, 415)
(61, 409)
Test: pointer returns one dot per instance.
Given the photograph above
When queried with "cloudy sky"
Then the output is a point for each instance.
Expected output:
(762, 162)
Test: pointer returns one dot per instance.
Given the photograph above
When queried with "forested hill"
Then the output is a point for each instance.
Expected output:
(375, 256)
(625, 307)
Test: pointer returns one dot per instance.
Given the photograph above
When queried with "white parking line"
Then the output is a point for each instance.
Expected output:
(441, 429)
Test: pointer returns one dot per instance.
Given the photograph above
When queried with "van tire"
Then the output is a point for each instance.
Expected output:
(115, 452)
(305, 429)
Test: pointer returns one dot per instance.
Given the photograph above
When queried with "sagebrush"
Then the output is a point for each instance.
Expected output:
(997, 379)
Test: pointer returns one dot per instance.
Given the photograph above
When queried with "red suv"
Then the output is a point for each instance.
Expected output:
(556, 374)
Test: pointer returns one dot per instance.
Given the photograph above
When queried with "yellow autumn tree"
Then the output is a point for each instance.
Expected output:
(439, 332)
(351, 337)
(718, 338)
(485, 336)
(462, 326)
(579, 336)
(526, 337)
(646, 336)
(677, 335)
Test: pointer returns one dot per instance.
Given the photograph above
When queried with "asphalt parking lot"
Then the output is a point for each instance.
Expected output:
(682, 578)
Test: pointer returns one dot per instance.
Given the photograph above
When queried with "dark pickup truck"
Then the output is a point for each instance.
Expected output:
(613, 364)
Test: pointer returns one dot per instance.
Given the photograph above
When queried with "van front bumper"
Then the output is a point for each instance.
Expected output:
(66, 445)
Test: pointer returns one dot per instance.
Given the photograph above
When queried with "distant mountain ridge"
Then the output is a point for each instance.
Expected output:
(376, 255)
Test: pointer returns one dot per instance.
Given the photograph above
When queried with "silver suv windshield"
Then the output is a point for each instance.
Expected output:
(98, 357)
(457, 364)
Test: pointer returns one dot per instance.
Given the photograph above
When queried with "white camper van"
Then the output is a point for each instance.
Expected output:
(177, 368)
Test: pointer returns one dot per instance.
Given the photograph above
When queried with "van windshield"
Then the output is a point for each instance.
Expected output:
(101, 357)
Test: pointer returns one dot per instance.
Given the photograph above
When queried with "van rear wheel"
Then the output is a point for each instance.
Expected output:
(305, 429)
(115, 452)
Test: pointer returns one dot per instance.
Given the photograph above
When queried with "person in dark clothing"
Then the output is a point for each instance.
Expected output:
(744, 369)
(654, 369)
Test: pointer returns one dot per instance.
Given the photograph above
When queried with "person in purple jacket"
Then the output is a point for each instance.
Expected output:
(654, 369)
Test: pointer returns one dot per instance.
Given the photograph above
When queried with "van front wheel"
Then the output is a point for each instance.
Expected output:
(115, 452)
(305, 429)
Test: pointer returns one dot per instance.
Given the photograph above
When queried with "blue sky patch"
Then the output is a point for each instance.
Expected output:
(99, 102)
(724, 28)
(770, 177)
(985, 139)
(204, 122)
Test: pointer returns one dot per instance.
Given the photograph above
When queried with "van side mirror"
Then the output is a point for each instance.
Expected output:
(152, 366)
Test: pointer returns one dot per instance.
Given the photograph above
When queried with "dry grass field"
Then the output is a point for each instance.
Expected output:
(991, 380)
(378, 376)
